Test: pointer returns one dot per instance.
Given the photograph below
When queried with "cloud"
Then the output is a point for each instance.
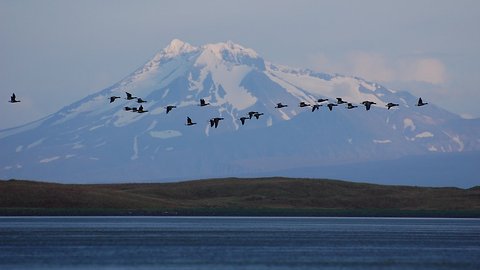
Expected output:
(467, 116)
(380, 68)
(427, 70)
(373, 66)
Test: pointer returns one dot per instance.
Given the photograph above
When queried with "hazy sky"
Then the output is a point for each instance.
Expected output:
(53, 53)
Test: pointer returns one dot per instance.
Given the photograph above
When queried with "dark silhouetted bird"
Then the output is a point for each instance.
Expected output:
(140, 100)
(170, 107)
(189, 122)
(13, 99)
(390, 105)
(215, 121)
(351, 106)
(331, 105)
(315, 107)
(280, 105)
(368, 104)
(128, 109)
(203, 103)
(340, 101)
(112, 98)
(242, 119)
(251, 114)
(129, 96)
(320, 100)
(257, 115)
(303, 104)
(134, 109)
(141, 110)
(420, 102)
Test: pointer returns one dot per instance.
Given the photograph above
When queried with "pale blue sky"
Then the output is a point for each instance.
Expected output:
(53, 53)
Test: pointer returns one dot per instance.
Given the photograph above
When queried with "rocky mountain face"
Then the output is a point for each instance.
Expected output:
(94, 140)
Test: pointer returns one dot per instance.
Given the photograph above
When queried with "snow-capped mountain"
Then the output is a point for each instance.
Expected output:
(94, 140)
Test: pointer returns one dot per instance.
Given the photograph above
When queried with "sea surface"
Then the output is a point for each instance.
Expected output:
(238, 243)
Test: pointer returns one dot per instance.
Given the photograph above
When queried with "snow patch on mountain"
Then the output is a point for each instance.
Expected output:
(95, 127)
(301, 83)
(165, 134)
(36, 143)
(382, 141)
(135, 148)
(50, 159)
(228, 79)
(425, 134)
(408, 123)
(459, 142)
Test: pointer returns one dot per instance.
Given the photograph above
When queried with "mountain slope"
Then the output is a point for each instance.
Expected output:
(93, 140)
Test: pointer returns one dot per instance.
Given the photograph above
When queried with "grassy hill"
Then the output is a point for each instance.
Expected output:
(232, 196)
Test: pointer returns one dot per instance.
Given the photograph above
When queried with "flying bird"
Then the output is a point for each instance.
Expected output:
(215, 121)
(331, 105)
(170, 107)
(257, 115)
(130, 96)
(420, 102)
(368, 104)
(280, 105)
(351, 106)
(390, 105)
(320, 100)
(251, 114)
(189, 122)
(340, 101)
(242, 119)
(129, 109)
(13, 99)
(140, 100)
(112, 98)
(203, 103)
(303, 104)
(315, 107)
(141, 110)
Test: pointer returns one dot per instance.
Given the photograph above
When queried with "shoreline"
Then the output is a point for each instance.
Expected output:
(357, 213)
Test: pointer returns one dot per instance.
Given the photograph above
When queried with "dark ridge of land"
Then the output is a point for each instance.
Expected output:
(274, 196)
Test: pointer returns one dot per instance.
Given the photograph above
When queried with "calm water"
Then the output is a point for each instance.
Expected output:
(238, 243)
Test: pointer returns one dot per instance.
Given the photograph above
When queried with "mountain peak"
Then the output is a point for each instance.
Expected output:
(232, 53)
(177, 47)
(230, 48)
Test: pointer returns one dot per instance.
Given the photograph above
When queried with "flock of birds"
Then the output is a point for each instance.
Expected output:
(216, 120)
